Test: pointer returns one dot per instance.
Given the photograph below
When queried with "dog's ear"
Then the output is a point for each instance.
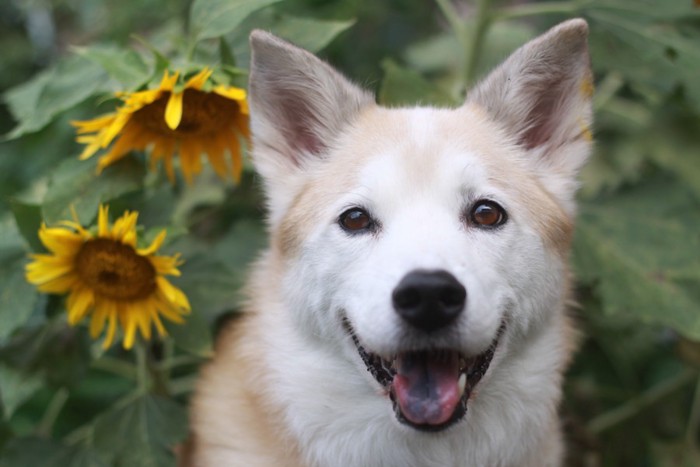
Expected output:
(299, 105)
(542, 96)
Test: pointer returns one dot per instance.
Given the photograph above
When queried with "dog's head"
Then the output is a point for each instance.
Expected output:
(418, 239)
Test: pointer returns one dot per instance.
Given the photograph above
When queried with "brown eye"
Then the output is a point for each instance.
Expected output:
(487, 214)
(356, 220)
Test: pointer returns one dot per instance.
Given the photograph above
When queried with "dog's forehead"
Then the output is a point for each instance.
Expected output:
(405, 151)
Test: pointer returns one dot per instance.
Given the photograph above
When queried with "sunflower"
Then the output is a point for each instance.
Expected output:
(108, 278)
(191, 119)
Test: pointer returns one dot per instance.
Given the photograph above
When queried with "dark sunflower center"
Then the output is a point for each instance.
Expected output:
(115, 270)
(202, 113)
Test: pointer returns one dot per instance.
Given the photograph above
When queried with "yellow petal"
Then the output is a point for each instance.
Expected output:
(166, 265)
(198, 80)
(93, 125)
(103, 221)
(154, 246)
(114, 129)
(60, 285)
(79, 303)
(110, 331)
(46, 268)
(230, 92)
(129, 331)
(172, 293)
(173, 111)
(168, 82)
(97, 323)
(60, 241)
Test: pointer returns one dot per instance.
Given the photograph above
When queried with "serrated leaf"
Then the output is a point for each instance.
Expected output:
(69, 83)
(214, 18)
(641, 251)
(28, 219)
(76, 183)
(407, 87)
(124, 65)
(142, 432)
(16, 388)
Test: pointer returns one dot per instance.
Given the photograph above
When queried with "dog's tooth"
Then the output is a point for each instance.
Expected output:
(462, 383)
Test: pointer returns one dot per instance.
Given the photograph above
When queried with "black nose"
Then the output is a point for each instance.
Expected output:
(429, 300)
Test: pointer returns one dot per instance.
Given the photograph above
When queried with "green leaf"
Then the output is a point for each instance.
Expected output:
(194, 336)
(311, 34)
(676, 454)
(406, 87)
(124, 65)
(641, 251)
(226, 54)
(16, 388)
(75, 183)
(69, 83)
(28, 219)
(308, 33)
(17, 297)
(22, 99)
(59, 352)
(141, 432)
(35, 452)
(628, 45)
(214, 18)
(30, 452)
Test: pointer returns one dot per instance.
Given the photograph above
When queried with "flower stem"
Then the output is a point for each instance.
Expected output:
(470, 39)
(635, 406)
(693, 427)
(143, 377)
(474, 44)
(58, 401)
(115, 366)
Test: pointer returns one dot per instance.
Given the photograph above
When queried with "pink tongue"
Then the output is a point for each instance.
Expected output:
(427, 389)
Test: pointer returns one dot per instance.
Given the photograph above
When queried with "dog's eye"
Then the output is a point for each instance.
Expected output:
(356, 220)
(487, 214)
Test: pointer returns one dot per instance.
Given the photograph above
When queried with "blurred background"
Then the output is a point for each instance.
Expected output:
(633, 391)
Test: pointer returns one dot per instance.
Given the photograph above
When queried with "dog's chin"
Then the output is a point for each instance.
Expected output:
(429, 389)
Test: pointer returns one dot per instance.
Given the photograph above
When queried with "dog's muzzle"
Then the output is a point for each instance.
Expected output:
(429, 388)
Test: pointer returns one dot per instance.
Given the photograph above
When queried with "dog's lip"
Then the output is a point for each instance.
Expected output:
(471, 371)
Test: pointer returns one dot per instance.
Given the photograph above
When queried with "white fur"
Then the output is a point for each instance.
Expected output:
(417, 171)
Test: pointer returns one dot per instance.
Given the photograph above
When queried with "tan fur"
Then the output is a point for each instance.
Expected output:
(227, 410)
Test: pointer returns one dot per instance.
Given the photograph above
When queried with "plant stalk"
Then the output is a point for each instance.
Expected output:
(635, 406)
(541, 8)
(693, 427)
(475, 43)
(58, 401)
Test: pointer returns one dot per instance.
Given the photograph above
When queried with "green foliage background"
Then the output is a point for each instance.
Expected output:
(633, 393)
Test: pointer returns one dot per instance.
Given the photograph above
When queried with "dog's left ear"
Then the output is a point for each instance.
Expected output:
(542, 96)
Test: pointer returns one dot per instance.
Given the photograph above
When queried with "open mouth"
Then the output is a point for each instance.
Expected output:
(429, 389)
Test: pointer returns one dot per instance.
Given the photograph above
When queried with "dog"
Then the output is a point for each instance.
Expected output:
(412, 308)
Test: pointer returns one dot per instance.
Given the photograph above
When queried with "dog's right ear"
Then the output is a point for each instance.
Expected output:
(299, 105)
